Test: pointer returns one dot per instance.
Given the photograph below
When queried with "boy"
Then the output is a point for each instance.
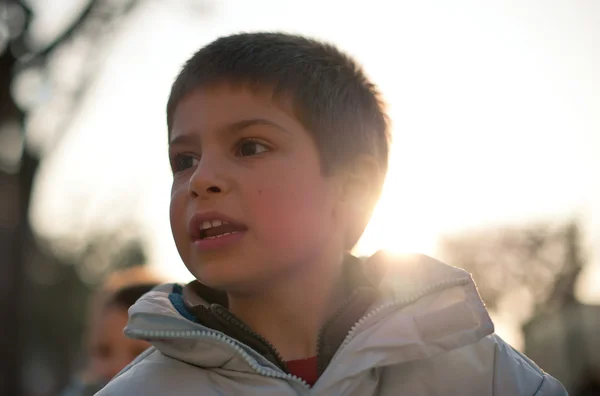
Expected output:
(279, 148)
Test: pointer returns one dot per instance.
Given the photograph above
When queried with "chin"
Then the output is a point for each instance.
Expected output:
(217, 275)
(231, 280)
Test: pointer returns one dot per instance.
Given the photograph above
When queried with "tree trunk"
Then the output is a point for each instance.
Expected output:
(13, 231)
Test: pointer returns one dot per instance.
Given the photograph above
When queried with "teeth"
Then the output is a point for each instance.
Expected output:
(221, 235)
(210, 224)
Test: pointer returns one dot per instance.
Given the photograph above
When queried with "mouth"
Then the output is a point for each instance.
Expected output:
(207, 226)
(212, 229)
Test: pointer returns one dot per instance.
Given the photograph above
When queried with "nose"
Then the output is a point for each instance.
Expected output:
(206, 182)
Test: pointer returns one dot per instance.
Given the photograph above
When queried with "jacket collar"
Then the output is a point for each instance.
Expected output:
(209, 307)
(422, 308)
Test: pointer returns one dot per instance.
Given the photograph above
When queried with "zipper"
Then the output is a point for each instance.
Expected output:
(230, 318)
(400, 304)
(229, 342)
(338, 312)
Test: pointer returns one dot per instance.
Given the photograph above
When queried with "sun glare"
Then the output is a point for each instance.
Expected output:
(396, 229)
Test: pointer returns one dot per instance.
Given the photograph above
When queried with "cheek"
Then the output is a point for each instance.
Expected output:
(292, 209)
(177, 211)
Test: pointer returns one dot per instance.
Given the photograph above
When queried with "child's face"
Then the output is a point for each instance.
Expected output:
(240, 157)
(111, 350)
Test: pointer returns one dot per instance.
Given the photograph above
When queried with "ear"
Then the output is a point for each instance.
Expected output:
(358, 183)
(359, 194)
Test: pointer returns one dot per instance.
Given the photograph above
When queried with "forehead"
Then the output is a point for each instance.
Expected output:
(113, 315)
(210, 108)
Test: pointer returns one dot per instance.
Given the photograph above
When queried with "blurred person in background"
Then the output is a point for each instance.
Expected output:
(107, 348)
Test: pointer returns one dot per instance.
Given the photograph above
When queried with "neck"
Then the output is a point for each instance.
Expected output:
(291, 313)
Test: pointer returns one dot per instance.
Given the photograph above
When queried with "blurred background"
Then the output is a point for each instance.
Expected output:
(495, 163)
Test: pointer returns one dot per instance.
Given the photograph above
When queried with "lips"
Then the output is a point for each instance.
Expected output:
(209, 225)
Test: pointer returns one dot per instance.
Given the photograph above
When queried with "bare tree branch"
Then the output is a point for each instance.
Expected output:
(79, 21)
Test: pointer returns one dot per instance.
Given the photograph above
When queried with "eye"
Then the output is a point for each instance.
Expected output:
(181, 162)
(249, 147)
(103, 351)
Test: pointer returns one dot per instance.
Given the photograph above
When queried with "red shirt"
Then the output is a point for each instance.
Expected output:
(305, 369)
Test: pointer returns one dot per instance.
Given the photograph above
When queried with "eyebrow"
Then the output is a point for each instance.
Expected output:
(232, 129)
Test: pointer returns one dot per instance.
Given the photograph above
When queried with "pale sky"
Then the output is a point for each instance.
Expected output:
(495, 109)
